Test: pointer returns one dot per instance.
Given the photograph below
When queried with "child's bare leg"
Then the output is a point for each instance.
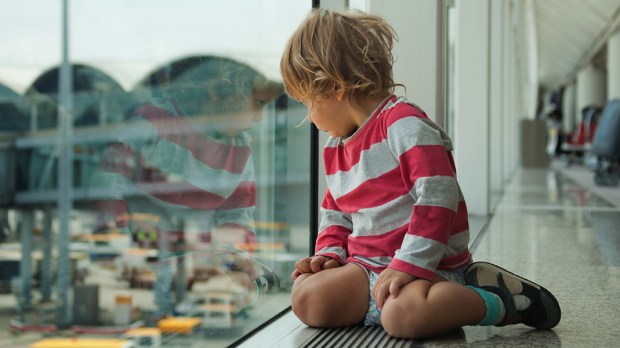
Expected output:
(331, 298)
(425, 308)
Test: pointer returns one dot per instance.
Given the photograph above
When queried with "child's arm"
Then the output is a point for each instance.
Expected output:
(313, 264)
(335, 228)
(331, 244)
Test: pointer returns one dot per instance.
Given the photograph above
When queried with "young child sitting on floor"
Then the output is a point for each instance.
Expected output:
(392, 247)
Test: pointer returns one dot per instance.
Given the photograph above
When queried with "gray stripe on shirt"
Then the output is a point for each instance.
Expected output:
(377, 261)
(333, 217)
(384, 218)
(374, 162)
(420, 251)
(409, 132)
(457, 243)
(437, 191)
(342, 254)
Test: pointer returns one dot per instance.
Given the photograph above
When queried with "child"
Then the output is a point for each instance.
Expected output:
(392, 244)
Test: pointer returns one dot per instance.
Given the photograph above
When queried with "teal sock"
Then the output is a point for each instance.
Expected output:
(495, 311)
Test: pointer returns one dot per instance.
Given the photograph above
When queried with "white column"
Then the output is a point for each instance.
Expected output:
(334, 5)
(508, 127)
(568, 107)
(497, 108)
(613, 67)
(590, 88)
(529, 60)
(418, 63)
(516, 76)
(472, 103)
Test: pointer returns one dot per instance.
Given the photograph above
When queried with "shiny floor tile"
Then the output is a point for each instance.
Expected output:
(561, 235)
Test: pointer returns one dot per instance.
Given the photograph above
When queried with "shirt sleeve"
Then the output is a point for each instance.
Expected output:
(334, 230)
(428, 173)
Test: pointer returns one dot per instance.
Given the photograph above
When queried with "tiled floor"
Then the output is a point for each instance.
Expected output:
(549, 229)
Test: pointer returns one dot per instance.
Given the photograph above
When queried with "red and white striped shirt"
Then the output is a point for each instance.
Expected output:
(392, 196)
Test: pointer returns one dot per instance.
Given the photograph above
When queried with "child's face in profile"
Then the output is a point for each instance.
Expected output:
(332, 115)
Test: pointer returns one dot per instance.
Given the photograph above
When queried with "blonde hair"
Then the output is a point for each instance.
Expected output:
(334, 51)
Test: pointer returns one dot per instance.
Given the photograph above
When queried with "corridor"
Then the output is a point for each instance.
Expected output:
(553, 231)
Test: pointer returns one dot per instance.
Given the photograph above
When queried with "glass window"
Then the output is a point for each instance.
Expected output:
(188, 181)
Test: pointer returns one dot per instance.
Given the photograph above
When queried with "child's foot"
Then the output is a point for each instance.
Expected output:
(525, 301)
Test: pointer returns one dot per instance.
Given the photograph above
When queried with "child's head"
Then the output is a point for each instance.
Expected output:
(348, 52)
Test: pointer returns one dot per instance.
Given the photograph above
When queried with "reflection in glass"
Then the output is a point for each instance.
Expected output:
(190, 195)
(179, 178)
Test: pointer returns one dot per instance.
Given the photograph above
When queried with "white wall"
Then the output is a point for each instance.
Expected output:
(508, 97)
(472, 103)
(514, 113)
(613, 67)
(496, 105)
(568, 107)
(417, 63)
(530, 60)
(591, 87)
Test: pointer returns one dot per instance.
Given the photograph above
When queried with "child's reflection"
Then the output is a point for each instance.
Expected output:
(181, 175)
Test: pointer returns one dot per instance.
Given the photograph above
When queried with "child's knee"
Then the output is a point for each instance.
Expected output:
(299, 299)
(308, 304)
(403, 319)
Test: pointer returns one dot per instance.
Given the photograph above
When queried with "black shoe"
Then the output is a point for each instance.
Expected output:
(543, 311)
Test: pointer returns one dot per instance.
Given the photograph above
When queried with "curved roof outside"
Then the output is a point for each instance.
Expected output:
(6, 92)
(196, 79)
(193, 80)
(85, 78)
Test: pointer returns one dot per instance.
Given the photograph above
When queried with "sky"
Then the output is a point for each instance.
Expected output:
(127, 39)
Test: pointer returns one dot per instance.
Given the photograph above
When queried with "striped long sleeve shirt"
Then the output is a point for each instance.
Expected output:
(392, 197)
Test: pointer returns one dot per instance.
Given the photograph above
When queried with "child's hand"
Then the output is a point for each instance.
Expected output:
(389, 283)
(313, 264)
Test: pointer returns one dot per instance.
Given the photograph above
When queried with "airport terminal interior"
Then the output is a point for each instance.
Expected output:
(157, 184)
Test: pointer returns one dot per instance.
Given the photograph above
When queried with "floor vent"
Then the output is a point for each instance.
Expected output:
(357, 336)
(477, 227)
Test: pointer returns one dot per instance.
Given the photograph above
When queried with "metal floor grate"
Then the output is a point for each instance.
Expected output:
(355, 337)
(477, 226)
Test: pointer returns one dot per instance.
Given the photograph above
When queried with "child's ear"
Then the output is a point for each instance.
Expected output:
(340, 93)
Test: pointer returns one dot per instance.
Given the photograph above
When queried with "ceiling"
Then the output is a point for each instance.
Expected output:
(571, 33)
